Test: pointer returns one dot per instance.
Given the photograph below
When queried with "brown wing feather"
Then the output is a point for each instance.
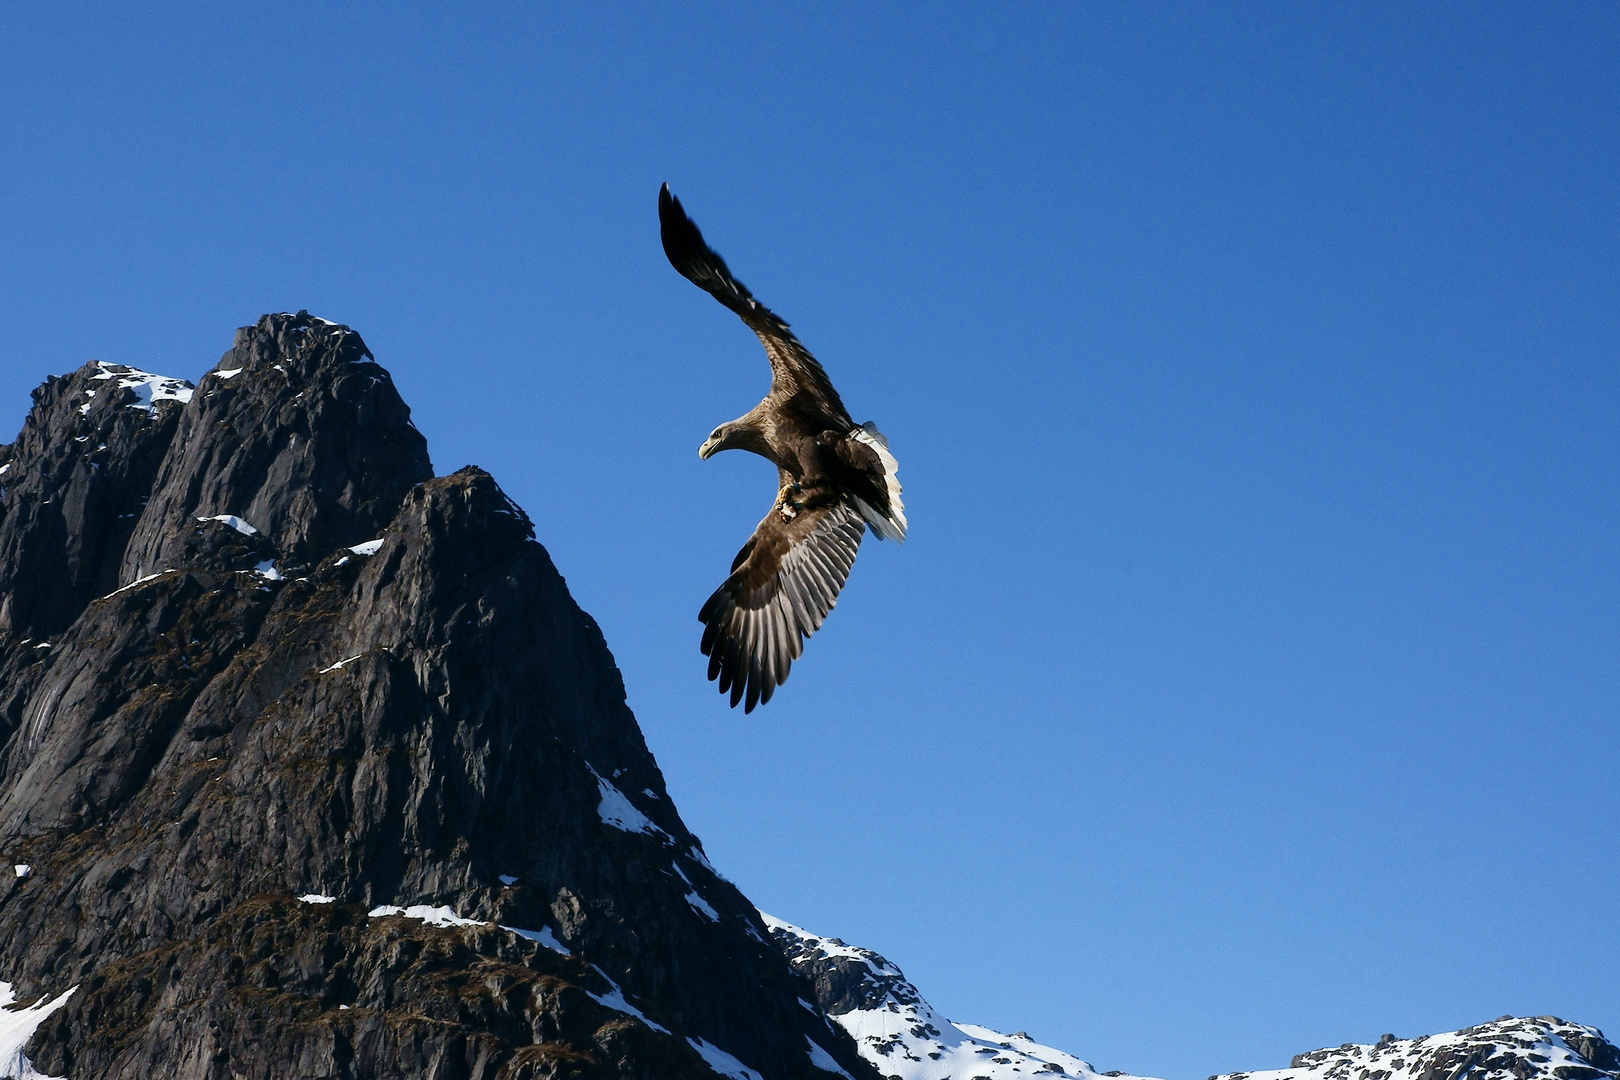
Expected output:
(795, 374)
(783, 583)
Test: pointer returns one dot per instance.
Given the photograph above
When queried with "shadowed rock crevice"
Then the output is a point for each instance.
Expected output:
(301, 666)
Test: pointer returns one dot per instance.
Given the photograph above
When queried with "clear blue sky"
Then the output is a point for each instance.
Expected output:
(1250, 681)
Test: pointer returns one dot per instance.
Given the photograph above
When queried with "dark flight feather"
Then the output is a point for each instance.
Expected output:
(794, 372)
(785, 581)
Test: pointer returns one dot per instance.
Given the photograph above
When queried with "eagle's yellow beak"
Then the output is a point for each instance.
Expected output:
(707, 449)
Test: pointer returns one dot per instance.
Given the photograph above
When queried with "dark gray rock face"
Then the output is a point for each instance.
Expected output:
(235, 710)
(299, 431)
(75, 483)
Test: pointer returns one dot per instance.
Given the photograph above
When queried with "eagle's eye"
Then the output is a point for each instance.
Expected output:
(715, 434)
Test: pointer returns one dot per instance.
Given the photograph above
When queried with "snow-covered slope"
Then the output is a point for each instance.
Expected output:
(899, 1032)
(1510, 1048)
(17, 1025)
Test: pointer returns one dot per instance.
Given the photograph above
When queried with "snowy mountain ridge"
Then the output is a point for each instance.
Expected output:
(896, 1030)
(1508, 1048)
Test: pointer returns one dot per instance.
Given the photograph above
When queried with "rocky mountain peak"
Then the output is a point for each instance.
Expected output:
(297, 431)
(319, 745)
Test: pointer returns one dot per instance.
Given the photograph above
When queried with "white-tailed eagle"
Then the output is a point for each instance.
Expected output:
(836, 476)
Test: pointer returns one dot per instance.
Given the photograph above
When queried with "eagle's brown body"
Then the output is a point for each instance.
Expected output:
(836, 477)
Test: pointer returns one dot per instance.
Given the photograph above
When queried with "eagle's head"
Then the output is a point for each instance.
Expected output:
(741, 434)
(713, 444)
(721, 438)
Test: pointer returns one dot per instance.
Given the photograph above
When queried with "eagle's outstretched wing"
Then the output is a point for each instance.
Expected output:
(794, 372)
(783, 583)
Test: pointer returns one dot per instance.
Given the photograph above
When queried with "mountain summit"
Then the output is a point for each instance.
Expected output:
(311, 765)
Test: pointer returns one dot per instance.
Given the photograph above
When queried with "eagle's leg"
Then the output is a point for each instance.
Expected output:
(786, 504)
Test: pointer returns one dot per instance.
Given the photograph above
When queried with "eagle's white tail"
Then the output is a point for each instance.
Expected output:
(892, 525)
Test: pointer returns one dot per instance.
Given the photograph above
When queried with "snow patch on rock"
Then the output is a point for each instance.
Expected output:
(149, 388)
(618, 811)
(433, 916)
(615, 1000)
(234, 522)
(722, 1062)
(542, 936)
(699, 905)
(137, 582)
(17, 1026)
(823, 1060)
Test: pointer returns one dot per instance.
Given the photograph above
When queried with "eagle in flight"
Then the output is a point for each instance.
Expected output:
(836, 476)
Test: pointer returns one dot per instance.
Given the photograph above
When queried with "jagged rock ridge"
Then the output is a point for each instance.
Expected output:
(295, 734)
